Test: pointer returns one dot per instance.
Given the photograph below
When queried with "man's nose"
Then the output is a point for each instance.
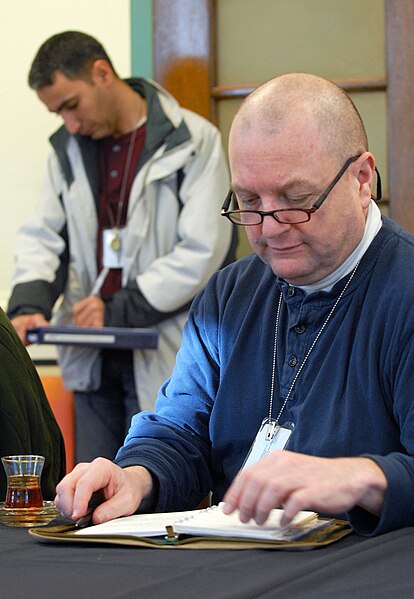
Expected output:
(72, 123)
(271, 226)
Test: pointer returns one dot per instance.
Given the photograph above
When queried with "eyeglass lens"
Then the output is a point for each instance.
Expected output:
(283, 216)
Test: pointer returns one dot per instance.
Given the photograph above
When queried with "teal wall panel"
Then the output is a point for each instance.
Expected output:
(141, 38)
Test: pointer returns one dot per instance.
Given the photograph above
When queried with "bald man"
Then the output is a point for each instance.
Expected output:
(293, 385)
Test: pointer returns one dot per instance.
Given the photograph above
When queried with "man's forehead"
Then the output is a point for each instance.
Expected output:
(291, 150)
(291, 125)
(290, 166)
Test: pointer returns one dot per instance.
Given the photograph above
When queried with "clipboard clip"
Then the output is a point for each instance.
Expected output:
(271, 430)
(171, 535)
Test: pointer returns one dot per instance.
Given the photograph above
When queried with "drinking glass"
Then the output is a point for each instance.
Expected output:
(23, 474)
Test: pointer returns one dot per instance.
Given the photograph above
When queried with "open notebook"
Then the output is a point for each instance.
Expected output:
(211, 521)
(209, 528)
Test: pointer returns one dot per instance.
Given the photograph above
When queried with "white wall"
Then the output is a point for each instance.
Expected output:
(25, 123)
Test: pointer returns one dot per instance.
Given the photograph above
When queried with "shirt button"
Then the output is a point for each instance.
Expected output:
(116, 148)
(114, 173)
(291, 291)
(292, 361)
(299, 329)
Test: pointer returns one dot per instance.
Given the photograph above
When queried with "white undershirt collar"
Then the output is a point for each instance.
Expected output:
(372, 226)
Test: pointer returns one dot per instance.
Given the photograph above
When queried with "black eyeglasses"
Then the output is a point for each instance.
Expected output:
(289, 216)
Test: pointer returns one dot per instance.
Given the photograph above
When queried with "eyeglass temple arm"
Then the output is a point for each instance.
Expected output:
(226, 204)
(322, 198)
(378, 197)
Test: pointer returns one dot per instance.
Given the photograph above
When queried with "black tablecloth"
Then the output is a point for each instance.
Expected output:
(352, 568)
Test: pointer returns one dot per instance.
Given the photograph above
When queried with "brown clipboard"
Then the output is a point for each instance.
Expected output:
(320, 538)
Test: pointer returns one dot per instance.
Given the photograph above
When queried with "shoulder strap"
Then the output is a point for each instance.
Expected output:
(180, 179)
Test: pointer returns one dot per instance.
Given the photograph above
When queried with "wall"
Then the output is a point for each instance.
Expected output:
(336, 39)
(25, 123)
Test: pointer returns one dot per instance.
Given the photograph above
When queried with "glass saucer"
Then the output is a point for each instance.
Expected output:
(35, 516)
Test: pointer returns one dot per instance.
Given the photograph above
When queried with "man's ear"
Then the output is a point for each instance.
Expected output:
(102, 72)
(365, 176)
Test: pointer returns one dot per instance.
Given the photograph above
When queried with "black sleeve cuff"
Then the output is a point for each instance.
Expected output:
(129, 308)
(32, 298)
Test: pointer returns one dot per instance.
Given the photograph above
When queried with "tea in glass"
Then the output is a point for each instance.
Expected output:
(23, 481)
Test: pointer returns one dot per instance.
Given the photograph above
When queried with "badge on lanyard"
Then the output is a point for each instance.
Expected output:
(270, 436)
(113, 248)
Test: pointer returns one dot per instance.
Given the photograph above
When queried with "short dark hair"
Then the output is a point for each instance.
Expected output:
(71, 52)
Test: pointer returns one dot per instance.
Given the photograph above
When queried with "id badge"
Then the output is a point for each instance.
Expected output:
(113, 248)
(271, 436)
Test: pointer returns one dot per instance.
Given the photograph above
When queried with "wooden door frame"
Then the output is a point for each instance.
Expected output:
(399, 29)
(184, 52)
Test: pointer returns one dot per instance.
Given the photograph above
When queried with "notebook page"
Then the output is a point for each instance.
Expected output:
(213, 521)
(140, 525)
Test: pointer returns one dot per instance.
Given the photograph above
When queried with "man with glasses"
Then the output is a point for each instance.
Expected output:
(293, 385)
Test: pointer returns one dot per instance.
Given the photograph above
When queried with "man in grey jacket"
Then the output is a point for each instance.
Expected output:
(130, 199)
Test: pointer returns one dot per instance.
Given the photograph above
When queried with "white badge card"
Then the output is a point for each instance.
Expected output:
(271, 436)
(113, 248)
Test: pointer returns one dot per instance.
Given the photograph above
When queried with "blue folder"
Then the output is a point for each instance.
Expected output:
(115, 337)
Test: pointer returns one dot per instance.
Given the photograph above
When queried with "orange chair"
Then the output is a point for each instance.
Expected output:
(62, 404)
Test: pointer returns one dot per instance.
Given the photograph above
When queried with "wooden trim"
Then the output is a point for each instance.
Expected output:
(362, 85)
(225, 92)
(212, 58)
(184, 52)
(399, 21)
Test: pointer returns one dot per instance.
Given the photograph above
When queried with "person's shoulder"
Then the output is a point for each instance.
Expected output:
(195, 120)
(14, 357)
(233, 290)
(387, 264)
(392, 232)
(199, 127)
(7, 332)
(392, 228)
(248, 272)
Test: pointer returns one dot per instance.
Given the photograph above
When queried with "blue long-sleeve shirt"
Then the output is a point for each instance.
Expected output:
(353, 397)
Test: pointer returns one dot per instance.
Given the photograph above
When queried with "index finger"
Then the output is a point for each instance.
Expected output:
(231, 498)
(66, 489)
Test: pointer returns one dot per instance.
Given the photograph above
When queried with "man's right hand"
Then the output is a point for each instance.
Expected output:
(123, 490)
(24, 322)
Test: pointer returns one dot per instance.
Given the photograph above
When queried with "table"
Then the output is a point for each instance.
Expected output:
(355, 567)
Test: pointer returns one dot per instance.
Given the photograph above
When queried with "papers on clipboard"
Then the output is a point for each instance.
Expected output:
(140, 525)
(211, 521)
(174, 531)
(114, 337)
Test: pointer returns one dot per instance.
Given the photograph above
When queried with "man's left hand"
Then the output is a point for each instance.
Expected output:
(297, 482)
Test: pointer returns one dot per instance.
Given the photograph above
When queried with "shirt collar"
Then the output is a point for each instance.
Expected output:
(372, 226)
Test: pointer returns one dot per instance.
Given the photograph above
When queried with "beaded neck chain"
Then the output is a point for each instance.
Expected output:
(272, 389)
(116, 220)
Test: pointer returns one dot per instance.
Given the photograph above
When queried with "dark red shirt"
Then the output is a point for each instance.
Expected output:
(113, 153)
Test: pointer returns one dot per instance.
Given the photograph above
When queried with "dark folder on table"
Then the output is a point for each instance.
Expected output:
(114, 337)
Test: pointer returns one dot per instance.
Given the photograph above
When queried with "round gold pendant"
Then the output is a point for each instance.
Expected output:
(116, 242)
